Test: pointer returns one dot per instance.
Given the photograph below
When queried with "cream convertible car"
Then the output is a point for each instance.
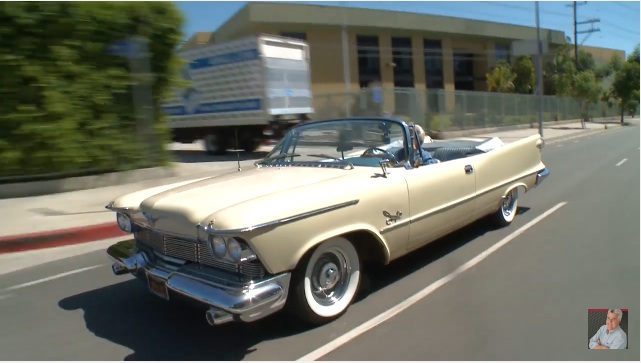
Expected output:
(295, 231)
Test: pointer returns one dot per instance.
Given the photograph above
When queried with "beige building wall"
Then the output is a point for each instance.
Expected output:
(327, 60)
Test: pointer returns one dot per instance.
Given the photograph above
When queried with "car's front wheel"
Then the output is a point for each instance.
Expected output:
(326, 281)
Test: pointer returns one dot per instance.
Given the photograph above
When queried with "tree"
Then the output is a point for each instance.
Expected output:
(624, 90)
(588, 89)
(66, 103)
(558, 77)
(585, 62)
(501, 78)
(525, 74)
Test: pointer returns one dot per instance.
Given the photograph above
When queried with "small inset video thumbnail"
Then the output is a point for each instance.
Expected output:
(607, 328)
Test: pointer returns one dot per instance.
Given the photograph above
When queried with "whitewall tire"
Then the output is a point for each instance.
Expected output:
(509, 206)
(326, 282)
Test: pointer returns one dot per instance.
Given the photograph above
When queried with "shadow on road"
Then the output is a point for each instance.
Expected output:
(199, 156)
(406, 265)
(127, 315)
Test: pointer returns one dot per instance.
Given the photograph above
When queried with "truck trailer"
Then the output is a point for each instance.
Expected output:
(241, 92)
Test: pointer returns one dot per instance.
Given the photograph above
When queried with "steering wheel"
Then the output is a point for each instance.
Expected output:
(369, 153)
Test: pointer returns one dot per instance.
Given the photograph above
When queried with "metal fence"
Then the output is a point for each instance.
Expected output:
(457, 110)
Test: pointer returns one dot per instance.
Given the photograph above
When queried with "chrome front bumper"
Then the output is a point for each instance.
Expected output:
(227, 300)
(541, 175)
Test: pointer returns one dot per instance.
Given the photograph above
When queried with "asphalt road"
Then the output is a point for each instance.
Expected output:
(526, 301)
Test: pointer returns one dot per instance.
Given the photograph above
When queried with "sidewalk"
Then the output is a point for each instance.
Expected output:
(80, 216)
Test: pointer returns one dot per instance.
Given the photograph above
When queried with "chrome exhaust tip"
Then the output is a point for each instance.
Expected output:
(217, 317)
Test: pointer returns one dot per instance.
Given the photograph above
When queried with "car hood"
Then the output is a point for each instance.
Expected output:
(252, 194)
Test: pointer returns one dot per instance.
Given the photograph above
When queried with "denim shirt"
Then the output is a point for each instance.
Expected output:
(425, 157)
(617, 339)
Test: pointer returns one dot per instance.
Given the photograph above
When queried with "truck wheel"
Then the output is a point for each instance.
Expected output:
(504, 216)
(213, 146)
(325, 282)
(250, 144)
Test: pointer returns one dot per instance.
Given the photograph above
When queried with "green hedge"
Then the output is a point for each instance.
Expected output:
(65, 103)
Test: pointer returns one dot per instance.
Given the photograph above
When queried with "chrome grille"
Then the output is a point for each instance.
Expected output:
(194, 252)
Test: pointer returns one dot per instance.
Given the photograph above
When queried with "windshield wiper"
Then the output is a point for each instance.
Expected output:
(277, 156)
(333, 158)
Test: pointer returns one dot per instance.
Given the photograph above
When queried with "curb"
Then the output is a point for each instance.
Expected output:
(58, 238)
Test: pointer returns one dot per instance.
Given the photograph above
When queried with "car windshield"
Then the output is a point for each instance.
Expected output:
(340, 143)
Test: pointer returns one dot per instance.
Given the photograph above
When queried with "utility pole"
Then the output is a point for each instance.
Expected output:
(576, 43)
(577, 32)
(346, 70)
(539, 70)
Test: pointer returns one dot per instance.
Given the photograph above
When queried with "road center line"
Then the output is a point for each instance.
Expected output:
(368, 325)
(621, 162)
(31, 283)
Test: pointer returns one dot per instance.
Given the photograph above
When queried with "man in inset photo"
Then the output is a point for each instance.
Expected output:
(610, 335)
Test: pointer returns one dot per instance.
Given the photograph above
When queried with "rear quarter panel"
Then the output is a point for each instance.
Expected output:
(500, 170)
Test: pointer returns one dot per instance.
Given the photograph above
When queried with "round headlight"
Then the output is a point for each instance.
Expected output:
(124, 222)
(235, 250)
(218, 246)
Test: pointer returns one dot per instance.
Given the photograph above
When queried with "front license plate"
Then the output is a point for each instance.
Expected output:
(158, 287)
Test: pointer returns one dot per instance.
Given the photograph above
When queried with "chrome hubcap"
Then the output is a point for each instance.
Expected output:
(330, 277)
(508, 204)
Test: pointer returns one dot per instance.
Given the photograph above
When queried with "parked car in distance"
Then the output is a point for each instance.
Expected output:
(331, 197)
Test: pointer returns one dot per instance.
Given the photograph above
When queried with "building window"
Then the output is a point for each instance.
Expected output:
(433, 60)
(295, 35)
(369, 60)
(464, 71)
(502, 52)
(403, 62)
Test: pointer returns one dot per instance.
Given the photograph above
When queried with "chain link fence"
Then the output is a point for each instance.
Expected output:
(457, 110)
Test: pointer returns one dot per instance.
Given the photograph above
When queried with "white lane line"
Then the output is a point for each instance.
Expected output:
(31, 283)
(5, 296)
(621, 162)
(343, 339)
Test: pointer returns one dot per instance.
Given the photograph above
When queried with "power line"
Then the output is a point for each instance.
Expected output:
(553, 13)
(623, 6)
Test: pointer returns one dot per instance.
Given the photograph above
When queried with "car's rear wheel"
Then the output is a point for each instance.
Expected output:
(326, 281)
(507, 211)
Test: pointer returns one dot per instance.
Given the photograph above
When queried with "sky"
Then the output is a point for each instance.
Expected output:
(619, 20)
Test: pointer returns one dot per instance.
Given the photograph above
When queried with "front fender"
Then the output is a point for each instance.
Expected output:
(317, 239)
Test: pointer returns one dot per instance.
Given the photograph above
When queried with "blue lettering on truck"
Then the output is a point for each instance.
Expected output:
(223, 59)
(216, 107)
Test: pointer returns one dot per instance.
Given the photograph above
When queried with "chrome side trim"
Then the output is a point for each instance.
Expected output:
(245, 301)
(210, 229)
(394, 226)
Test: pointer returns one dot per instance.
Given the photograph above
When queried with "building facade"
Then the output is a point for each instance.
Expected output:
(392, 49)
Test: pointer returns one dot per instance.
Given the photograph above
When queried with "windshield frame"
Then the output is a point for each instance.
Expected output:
(289, 141)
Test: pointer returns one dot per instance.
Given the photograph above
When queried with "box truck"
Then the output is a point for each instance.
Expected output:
(241, 92)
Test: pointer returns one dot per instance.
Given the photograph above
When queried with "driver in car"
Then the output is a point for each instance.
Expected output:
(421, 156)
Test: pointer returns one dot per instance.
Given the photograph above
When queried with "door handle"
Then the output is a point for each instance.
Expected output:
(468, 169)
